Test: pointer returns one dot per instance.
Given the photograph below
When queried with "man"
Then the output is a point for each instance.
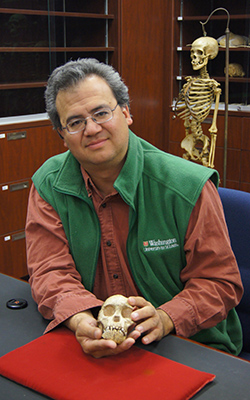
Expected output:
(115, 215)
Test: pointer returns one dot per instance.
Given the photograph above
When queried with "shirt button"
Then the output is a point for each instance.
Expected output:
(115, 276)
(108, 243)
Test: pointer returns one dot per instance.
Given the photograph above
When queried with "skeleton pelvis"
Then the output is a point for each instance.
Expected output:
(196, 147)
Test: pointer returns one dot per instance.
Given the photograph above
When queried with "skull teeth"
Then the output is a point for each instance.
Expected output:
(115, 328)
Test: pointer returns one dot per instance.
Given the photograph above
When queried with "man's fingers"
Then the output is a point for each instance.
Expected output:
(104, 348)
(137, 301)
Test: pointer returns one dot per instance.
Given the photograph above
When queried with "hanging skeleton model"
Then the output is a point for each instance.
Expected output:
(194, 103)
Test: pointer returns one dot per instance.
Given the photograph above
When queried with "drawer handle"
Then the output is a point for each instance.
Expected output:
(19, 186)
(18, 236)
(16, 135)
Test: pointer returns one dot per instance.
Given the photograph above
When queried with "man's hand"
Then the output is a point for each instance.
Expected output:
(152, 322)
(89, 336)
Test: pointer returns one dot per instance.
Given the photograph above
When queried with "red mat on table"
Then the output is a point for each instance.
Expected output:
(55, 365)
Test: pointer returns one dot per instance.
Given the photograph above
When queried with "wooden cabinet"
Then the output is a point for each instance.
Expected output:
(23, 149)
(186, 27)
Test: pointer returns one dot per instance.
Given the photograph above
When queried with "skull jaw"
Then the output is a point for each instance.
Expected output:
(117, 334)
(198, 64)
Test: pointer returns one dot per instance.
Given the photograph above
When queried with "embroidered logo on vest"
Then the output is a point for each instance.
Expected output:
(157, 245)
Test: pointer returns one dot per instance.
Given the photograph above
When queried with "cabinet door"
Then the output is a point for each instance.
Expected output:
(23, 151)
(13, 255)
(13, 205)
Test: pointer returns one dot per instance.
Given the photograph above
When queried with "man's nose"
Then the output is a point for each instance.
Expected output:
(91, 127)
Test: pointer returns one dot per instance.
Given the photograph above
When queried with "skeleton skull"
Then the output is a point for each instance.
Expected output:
(114, 318)
(203, 49)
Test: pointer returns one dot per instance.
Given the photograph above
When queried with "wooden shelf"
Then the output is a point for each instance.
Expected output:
(234, 49)
(203, 18)
(220, 79)
(53, 49)
(55, 13)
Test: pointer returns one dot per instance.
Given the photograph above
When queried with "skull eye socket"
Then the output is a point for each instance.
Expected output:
(109, 310)
(126, 312)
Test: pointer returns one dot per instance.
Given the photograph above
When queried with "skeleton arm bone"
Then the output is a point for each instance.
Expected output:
(213, 128)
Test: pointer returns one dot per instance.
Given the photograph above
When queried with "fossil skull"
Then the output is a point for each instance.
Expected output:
(234, 40)
(114, 318)
(203, 49)
(235, 69)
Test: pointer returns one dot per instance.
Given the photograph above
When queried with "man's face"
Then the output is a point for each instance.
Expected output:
(98, 146)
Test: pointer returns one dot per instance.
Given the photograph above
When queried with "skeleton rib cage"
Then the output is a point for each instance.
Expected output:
(195, 99)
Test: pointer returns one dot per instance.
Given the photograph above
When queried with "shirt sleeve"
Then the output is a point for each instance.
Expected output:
(55, 283)
(211, 278)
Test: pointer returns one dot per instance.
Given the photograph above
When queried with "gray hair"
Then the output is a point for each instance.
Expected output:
(71, 73)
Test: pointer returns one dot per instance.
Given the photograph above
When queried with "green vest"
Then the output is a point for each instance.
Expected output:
(161, 191)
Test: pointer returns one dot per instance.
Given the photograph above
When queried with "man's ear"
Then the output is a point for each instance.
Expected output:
(60, 133)
(127, 115)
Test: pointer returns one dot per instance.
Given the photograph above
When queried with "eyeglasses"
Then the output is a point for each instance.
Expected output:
(99, 117)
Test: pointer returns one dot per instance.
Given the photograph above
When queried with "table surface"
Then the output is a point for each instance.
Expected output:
(19, 327)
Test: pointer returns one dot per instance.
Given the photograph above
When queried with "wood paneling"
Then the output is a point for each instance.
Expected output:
(143, 65)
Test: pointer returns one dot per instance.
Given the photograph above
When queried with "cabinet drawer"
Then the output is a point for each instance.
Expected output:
(23, 151)
(13, 203)
(13, 254)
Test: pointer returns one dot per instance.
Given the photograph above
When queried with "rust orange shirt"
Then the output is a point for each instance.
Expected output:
(56, 284)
